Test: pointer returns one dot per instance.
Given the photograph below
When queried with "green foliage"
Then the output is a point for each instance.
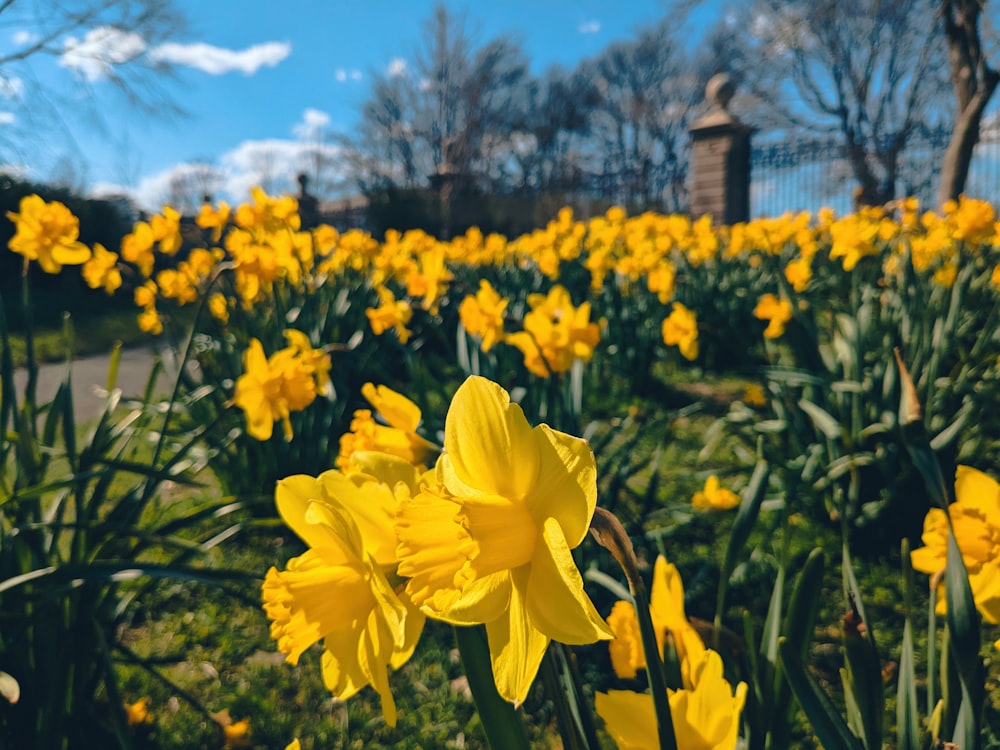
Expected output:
(81, 535)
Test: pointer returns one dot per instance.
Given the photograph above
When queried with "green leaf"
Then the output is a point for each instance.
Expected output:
(746, 519)
(828, 725)
(907, 716)
(821, 419)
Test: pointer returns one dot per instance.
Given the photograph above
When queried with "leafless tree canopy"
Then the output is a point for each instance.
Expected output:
(617, 124)
(866, 70)
(96, 40)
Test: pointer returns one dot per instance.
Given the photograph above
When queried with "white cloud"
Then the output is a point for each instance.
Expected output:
(11, 87)
(272, 163)
(7, 118)
(218, 60)
(589, 27)
(397, 67)
(312, 125)
(343, 75)
(23, 37)
(101, 48)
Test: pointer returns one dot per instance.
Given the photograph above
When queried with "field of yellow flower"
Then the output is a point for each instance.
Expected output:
(462, 445)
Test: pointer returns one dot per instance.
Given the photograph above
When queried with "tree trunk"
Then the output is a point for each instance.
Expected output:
(958, 156)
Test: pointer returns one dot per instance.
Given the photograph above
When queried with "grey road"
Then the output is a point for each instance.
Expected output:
(90, 377)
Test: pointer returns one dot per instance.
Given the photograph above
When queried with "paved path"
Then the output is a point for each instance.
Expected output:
(90, 377)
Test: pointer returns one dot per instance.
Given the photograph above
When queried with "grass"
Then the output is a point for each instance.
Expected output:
(91, 335)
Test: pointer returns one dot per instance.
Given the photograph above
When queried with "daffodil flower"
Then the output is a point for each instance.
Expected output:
(47, 232)
(705, 717)
(680, 329)
(666, 609)
(489, 540)
(398, 437)
(337, 591)
(714, 496)
(975, 518)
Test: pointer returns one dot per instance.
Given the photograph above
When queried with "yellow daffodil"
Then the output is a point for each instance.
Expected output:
(137, 248)
(138, 713)
(391, 313)
(337, 591)
(555, 333)
(680, 329)
(218, 306)
(706, 717)
(714, 496)
(754, 395)
(970, 220)
(776, 311)
(666, 610)
(398, 437)
(490, 540)
(853, 237)
(271, 388)
(47, 232)
(101, 271)
(482, 315)
(166, 228)
(798, 273)
(975, 517)
(150, 321)
(213, 218)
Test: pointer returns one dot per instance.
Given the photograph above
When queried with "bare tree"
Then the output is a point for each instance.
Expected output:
(444, 114)
(643, 95)
(973, 80)
(95, 40)
(191, 183)
(867, 70)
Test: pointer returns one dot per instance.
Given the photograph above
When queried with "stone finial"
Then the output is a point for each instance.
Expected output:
(719, 91)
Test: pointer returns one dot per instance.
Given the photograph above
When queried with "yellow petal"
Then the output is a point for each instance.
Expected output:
(626, 653)
(386, 468)
(666, 598)
(977, 490)
(342, 673)
(482, 600)
(566, 488)
(630, 719)
(372, 505)
(986, 591)
(304, 507)
(516, 647)
(374, 654)
(557, 603)
(488, 443)
(396, 408)
(413, 626)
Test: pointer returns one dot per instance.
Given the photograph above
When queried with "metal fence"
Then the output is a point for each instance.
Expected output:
(806, 174)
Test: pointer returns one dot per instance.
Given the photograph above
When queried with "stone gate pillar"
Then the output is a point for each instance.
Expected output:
(720, 159)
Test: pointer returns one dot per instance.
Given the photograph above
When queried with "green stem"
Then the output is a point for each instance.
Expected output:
(503, 725)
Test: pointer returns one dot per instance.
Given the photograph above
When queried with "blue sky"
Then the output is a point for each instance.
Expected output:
(252, 77)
